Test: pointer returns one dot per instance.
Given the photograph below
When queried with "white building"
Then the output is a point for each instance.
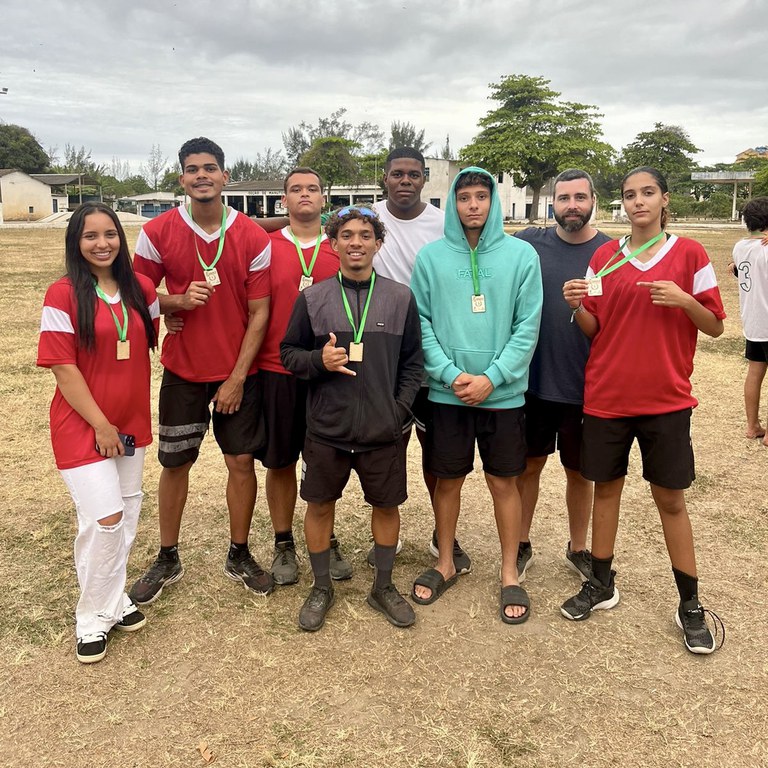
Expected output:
(23, 198)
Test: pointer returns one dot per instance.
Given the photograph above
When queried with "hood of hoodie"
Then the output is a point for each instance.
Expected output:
(493, 232)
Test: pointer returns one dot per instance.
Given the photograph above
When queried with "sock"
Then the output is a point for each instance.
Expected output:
(601, 569)
(384, 557)
(284, 536)
(321, 567)
(170, 553)
(238, 551)
(687, 586)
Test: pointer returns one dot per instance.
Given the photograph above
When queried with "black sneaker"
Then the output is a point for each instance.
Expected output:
(250, 574)
(92, 648)
(579, 561)
(594, 596)
(285, 568)
(132, 621)
(316, 606)
(165, 570)
(461, 560)
(691, 618)
(524, 560)
(340, 568)
(393, 605)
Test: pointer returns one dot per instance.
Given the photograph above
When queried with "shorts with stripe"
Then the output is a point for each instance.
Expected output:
(185, 413)
(284, 412)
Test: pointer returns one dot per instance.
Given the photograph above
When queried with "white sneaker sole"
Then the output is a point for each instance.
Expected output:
(159, 592)
(700, 649)
(606, 605)
(521, 575)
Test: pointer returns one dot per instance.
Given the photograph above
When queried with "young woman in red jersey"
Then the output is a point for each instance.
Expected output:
(643, 302)
(99, 322)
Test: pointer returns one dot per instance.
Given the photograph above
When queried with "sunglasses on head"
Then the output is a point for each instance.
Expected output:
(367, 212)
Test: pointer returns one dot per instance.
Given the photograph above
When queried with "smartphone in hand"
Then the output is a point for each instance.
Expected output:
(128, 441)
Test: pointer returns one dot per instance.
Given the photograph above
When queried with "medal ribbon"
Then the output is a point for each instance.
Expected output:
(122, 331)
(608, 268)
(307, 270)
(357, 333)
(475, 271)
(222, 235)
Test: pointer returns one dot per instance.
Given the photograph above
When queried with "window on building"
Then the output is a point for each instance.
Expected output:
(500, 178)
(434, 201)
(426, 173)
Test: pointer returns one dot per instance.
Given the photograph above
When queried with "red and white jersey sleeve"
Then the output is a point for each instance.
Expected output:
(285, 275)
(119, 387)
(208, 346)
(641, 359)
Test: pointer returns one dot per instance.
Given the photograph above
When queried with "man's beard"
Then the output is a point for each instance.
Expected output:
(574, 225)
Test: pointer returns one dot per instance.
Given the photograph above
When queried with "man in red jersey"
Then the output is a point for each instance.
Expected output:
(215, 262)
(301, 256)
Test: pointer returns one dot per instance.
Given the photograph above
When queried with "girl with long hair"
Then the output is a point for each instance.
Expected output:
(643, 302)
(98, 324)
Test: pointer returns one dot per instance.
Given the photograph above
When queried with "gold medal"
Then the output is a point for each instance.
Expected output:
(305, 282)
(123, 350)
(595, 286)
(355, 352)
(478, 302)
(212, 276)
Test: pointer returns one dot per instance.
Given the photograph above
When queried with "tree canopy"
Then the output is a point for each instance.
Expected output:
(21, 150)
(668, 148)
(331, 157)
(405, 134)
(533, 135)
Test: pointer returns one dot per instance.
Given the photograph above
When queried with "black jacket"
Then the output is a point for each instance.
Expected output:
(357, 413)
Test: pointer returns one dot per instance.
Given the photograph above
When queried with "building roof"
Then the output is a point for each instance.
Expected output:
(149, 196)
(6, 171)
(59, 179)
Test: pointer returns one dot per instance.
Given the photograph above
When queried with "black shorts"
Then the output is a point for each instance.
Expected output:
(284, 412)
(450, 446)
(185, 412)
(421, 409)
(549, 425)
(757, 351)
(325, 472)
(665, 445)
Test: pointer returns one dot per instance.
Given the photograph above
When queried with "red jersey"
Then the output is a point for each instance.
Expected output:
(641, 358)
(119, 387)
(285, 275)
(208, 346)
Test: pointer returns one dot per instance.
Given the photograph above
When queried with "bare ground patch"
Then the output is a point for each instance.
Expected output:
(459, 689)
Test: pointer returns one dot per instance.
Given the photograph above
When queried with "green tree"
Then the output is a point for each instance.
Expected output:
(447, 152)
(405, 135)
(332, 158)
(365, 137)
(533, 135)
(668, 148)
(170, 182)
(21, 150)
(114, 188)
(79, 161)
(760, 187)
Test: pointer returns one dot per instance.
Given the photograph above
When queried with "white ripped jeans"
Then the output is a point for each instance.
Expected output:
(100, 490)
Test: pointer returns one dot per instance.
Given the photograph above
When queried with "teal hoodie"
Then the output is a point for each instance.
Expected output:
(498, 342)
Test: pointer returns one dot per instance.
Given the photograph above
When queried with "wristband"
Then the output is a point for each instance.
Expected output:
(576, 311)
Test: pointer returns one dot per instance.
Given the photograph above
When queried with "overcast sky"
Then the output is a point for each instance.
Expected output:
(120, 77)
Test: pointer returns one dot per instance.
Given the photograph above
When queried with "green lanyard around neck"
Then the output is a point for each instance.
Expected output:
(222, 235)
(122, 331)
(357, 333)
(307, 270)
(608, 268)
(475, 271)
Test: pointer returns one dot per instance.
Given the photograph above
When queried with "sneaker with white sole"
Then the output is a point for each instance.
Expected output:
(132, 621)
(691, 618)
(524, 560)
(593, 596)
(92, 648)
(252, 576)
(461, 560)
(579, 561)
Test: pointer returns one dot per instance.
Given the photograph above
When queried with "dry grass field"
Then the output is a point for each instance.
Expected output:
(218, 666)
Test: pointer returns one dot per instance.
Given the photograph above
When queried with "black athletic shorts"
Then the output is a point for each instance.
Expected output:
(284, 412)
(185, 412)
(421, 409)
(550, 425)
(450, 446)
(665, 445)
(757, 351)
(325, 473)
